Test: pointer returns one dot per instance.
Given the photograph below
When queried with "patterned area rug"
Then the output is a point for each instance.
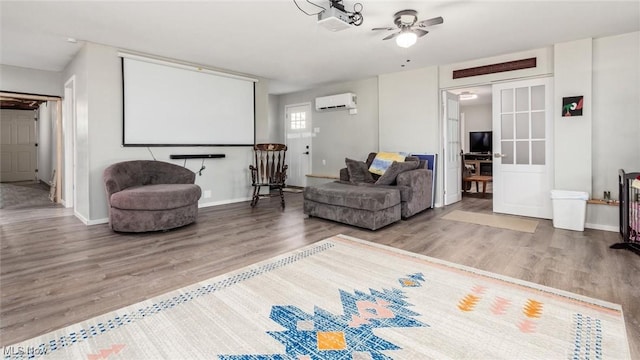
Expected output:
(344, 298)
(494, 220)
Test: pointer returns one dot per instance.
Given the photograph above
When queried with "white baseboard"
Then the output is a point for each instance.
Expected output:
(82, 218)
(99, 221)
(602, 227)
(90, 222)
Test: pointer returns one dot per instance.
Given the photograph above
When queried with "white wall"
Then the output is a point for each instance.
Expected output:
(409, 115)
(476, 118)
(274, 131)
(99, 137)
(341, 135)
(409, 111)
(80, 68)
(572, 145)
(616, 124)
(46, 140)
(30, 81)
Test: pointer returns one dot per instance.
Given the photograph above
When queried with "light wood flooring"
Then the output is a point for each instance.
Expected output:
(55, 271)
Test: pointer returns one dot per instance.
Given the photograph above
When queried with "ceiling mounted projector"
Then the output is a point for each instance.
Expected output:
(334, 19)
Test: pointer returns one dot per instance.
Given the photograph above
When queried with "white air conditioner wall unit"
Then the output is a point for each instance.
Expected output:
(339, 101)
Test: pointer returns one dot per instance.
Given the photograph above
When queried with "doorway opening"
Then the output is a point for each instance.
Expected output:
(517, 147)
(31, 151)
(476, 133)
(467, 113)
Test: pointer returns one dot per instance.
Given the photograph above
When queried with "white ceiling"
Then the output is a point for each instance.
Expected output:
(274, 40)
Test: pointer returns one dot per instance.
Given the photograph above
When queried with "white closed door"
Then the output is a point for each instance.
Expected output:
(298, 134)
(452, 148)
(18, 156)
(523, 148)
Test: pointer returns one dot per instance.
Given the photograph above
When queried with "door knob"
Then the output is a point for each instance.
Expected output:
(498, 155)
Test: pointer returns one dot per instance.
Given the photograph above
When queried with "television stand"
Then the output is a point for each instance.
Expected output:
(477, 156)
(482, 163)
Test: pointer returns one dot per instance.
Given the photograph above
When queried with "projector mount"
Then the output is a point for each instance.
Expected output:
(336, 11)
(355, 16)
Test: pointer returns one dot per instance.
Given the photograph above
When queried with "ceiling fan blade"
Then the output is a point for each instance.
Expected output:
(384, 28)
(430, 22)
(391, 36)
(420, 32)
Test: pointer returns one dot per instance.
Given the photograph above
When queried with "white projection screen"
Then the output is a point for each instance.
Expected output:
(170, 106)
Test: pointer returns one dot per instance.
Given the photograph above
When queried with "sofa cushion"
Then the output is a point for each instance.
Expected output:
(383, 160)
(156, 197)
(358, 171)
(352, 196)
(396, 168)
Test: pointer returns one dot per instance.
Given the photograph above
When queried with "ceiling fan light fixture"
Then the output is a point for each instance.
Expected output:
(406, 39)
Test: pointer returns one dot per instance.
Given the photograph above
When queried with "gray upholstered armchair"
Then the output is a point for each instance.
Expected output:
(146, 195)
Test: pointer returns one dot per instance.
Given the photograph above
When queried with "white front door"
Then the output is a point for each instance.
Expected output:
(18, 156)
(452, 148)
(298, 135)
(523, 147)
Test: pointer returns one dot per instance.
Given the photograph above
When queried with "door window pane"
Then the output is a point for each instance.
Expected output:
(452, 109)
(522, 152)
(537, 97)
(522, 126)
(507, 151)
(507, 100)
(453, 127)
(522, 99)
(537, 125)
(537, 152)
(507, 126)
(298, 120)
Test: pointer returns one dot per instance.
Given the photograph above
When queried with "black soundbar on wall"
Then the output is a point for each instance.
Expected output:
(197, 156)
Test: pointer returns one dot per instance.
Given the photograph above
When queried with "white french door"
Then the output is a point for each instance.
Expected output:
(523, 147)
(298, 134)
(452, 148)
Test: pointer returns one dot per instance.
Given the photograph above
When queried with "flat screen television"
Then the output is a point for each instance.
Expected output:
(481, 142)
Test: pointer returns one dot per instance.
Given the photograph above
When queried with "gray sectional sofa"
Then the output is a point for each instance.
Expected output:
(357, 201)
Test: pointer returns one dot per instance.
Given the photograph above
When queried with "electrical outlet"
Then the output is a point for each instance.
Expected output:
(324, 162)
(207, 194)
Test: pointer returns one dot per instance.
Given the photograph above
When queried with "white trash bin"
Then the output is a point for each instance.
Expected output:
(569, 209)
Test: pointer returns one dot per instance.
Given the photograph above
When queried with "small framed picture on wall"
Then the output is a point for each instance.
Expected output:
(572, 106)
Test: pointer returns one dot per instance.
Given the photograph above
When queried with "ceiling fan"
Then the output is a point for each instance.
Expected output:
(410, 27)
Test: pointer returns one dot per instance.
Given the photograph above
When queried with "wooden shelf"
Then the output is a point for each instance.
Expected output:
(477, 166)
(603, 202)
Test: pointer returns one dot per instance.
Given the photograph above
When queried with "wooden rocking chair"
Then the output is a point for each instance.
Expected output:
(269, 169)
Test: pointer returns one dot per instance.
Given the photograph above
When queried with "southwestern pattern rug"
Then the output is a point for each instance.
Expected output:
(344, 298)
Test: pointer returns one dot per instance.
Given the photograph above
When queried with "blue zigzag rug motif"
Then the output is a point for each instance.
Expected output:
(323, 335)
